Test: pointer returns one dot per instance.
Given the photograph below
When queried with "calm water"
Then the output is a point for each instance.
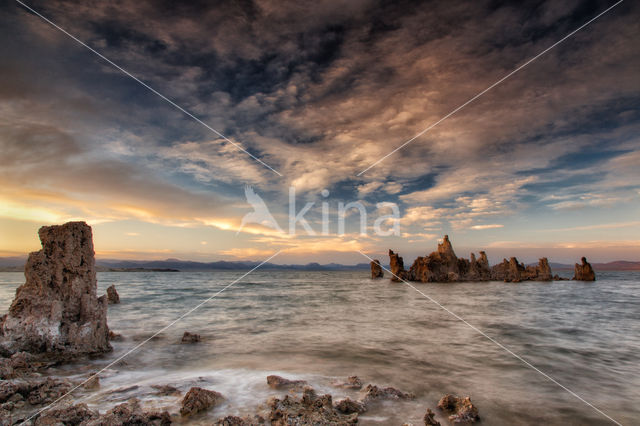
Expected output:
(322, 325)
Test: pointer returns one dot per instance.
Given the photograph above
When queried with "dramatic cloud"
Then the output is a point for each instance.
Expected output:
(320, 90)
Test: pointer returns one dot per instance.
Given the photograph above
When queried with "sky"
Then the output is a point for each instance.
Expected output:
(546, 163)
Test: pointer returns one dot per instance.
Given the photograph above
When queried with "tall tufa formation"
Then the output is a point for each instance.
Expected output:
(584, 271)
(444, 266)
(396, 265)
(376, 270)
(57, 310)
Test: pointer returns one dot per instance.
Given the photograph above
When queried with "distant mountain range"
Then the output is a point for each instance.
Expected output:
(172, 265)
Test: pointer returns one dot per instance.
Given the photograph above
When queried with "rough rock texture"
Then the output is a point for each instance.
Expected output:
(127, 413)
(277, 382)
(374, 393)
(348, 406)
(130, 413)
(34, 391)
(190, 337)
(513, 271)
(70, 415)
(376, 270)
(444, 266)
(461, 410)
(112, 295)
(310, 409)
(198, 399)
(396, 265)
(429, 418)
(57, 310)
(19, 364)
(584, 271)
(352, 382)
(240, 421)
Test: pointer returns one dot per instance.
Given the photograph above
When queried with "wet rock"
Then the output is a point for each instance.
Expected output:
(348, 406)
(92, 382)
(35, 391)
(277, 382)
(460, 410)
(584, 271)
(71, 415)
(190, 337)
(198, 399)
(429, 418)
(310, 409)
(376, 270)
(240, 421)
(396, 265)
(352, 382)
(115, 337)
(130, 413)
(112, 295)
(19, 364)
(57, 310)
(374, 393)
(166, 390)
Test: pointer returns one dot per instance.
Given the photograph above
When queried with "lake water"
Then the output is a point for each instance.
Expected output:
(320, 326)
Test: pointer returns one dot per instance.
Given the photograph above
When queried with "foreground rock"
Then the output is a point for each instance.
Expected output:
(310, 409)
(128, 413)
(277, 382)
(584, 271)
(376, 270)
(57, 310)
(444, 266)
(198, 399)
(112, 295)
(460, 410)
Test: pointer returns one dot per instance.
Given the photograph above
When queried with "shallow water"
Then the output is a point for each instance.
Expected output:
(320, 326)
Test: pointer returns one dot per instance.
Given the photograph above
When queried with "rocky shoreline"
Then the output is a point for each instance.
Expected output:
(444, 266)
(57, 318)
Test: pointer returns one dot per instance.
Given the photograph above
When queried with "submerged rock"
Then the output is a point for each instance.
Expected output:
(310, 409)
(376, 270)
(112, 295)
(443, 265)
(198, 399)
(352, 382)
(374, 393)
(429, 418)
(277, 382)
(460, 410)
(190, 337)
(57, 309)
(584, 271)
